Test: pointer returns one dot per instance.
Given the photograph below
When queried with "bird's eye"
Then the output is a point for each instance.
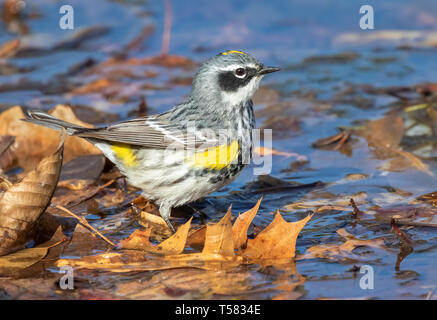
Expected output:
(240, 73)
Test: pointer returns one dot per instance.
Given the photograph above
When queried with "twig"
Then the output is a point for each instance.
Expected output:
(168, 17)
(357, 211)
(342, 141)
(400, 234)
(85, 223)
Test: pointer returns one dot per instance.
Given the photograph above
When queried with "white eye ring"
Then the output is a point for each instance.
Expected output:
(240, 73)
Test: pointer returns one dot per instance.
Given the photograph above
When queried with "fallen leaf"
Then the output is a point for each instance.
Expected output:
(219, 238)
(197, 237)
(24, 202)
(88, 167)
(96, 86)
(277, 240)
(14, 262)
(139, 240)
(33, 142)
(73, 198)
(8, 156)
(84, 242)
(8, 49)
(241, 225)
(264, 151)
(188, 283)
(168, 61)
(343, 251)
(384, 133)
(332, 202)
(151, 218)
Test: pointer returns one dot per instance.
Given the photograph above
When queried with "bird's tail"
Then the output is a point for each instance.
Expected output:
(49, 121)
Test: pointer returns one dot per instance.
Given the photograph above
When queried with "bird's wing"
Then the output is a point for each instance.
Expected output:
(150, 132)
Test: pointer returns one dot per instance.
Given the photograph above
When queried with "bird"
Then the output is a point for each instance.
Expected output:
(193, 149)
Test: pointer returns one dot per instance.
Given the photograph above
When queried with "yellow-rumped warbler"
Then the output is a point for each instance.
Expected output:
(191, 150)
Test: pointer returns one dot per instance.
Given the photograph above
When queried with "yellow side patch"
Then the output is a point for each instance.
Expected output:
(215, 158)
(124, 153)
(232, 51)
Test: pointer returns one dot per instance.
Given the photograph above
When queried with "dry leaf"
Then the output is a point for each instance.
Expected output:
(8, 156)
(152, 218)
(33, 142)
(241, 225)
(197, 237)
(24, 202)
(139, 240)
(277, 240)
(219, 237)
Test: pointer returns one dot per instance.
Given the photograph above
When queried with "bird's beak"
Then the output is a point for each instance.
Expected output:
(265, 70)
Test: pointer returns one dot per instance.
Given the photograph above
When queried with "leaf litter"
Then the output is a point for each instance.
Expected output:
(224, 247)
(396, 139)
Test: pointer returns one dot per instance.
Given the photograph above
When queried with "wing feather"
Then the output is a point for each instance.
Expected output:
(149, 132)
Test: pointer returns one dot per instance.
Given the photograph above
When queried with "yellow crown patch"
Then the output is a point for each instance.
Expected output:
(233, 51)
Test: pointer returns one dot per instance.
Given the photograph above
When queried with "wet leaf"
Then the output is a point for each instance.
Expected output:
(73, 198)
(8, 49)
(332, 202)
(343, 251)
(384, 133)
(87, 167)
(264, 151)
(24, 202)
(188, 283)
(14, 262)
(84, 242)
(277, 240)
(99, 85)
(168, 61)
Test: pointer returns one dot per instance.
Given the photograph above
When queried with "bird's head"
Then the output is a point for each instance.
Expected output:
(230, 78)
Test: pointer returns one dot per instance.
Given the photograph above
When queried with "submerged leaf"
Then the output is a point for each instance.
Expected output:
(343, 251)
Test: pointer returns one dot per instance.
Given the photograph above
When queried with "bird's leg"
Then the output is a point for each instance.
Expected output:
(165, 212)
